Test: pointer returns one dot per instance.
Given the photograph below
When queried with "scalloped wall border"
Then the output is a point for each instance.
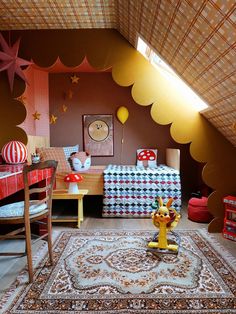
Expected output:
(107, 48)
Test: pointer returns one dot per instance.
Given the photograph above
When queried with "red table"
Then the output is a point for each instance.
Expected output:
(11, 179)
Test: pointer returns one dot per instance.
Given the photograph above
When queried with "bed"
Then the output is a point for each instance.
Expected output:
(129, 191)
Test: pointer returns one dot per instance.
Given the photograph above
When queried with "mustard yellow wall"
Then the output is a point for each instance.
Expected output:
(107, 48)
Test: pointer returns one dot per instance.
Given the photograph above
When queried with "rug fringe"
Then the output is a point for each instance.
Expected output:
(221, 250)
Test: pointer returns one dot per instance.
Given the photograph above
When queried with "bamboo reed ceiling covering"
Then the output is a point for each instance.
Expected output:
(196, 37)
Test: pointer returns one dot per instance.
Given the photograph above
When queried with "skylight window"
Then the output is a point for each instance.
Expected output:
(170, 74)
(143, 48)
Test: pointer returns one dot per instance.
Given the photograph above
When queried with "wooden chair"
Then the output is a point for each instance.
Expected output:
(28, 211)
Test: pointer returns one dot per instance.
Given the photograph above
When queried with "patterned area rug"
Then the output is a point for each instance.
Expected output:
(113, 272)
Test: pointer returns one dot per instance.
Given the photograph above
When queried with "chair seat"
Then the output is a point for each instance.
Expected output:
(17, 209)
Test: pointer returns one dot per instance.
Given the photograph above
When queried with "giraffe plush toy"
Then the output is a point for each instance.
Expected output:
(165, 219)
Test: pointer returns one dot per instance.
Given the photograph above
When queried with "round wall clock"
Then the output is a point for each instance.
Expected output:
(98, 134)
(98, 130)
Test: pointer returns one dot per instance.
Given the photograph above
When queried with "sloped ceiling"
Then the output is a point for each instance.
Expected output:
(196, 37)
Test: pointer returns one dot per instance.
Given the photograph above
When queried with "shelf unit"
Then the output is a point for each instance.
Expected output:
(229, 230)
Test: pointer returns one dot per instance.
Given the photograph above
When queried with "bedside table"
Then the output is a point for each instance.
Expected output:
(92, 180)
(62, 194)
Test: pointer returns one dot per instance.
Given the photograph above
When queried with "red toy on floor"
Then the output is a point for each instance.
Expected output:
(197, 210)
(229, 230)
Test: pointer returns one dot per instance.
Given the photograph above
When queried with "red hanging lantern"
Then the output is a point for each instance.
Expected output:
(14, 152)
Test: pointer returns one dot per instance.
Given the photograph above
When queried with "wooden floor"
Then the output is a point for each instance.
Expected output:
(11, 266)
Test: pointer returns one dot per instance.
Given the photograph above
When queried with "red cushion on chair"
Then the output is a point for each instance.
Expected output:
(198, 211)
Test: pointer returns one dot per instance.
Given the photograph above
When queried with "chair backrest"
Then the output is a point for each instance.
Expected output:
(42, 194)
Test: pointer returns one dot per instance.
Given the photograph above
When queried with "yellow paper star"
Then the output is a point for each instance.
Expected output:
(53, 119)
(22, 99)
(70, 94)
(64, 108)
(36, 115)
(74, 79)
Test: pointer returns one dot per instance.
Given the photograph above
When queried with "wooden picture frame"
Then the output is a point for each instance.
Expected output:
(98, 134)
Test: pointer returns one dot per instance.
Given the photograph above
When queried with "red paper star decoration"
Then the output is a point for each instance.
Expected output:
(11, 62)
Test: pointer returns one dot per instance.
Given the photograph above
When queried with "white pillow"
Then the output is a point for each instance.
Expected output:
(68, 150)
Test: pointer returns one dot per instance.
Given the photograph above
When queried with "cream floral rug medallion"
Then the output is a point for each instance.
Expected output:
(112, 272)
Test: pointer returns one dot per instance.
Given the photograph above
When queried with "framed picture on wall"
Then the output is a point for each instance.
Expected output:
(98, 134)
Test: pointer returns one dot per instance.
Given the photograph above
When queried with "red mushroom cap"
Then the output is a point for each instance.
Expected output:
(146, 154)
(73, 177)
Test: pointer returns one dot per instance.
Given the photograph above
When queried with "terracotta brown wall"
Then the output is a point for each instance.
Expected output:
(106, 48)
(97, 93)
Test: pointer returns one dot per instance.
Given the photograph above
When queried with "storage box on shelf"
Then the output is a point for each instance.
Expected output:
(229, 230)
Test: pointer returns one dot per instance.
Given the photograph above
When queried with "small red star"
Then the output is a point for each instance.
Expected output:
(11, 62)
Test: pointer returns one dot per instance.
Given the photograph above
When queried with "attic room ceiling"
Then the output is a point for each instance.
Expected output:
(196, 37)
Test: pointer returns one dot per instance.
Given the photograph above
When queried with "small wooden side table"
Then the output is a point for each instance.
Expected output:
(63, 194)
(92, 180)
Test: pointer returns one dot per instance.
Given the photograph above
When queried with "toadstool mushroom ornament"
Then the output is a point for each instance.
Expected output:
(73, 179)
(146, 158)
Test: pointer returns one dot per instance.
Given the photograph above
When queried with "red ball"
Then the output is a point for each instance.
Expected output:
(14, 152)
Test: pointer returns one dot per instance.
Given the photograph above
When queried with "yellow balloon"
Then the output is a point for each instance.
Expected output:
(122, 114)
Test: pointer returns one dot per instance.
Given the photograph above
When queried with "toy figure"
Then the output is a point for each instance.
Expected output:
(165, 218)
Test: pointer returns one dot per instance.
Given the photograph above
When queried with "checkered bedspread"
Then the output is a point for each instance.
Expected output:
(129, 191)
